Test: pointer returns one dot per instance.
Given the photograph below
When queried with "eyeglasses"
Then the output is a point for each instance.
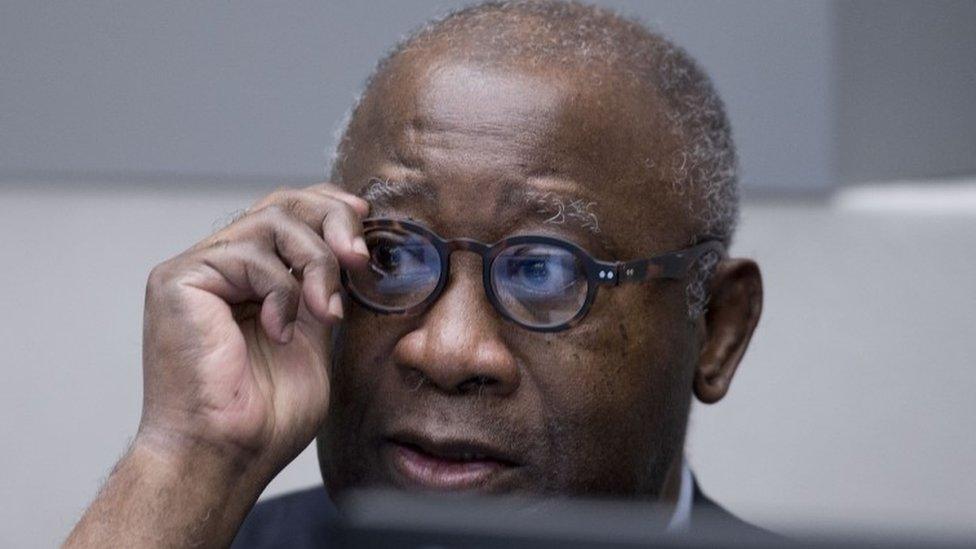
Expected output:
(541, 283)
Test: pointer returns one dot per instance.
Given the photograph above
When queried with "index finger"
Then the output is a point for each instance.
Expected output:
(358, 205)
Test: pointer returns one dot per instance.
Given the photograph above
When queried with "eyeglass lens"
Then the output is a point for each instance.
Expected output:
(539, 285)
(403, 269)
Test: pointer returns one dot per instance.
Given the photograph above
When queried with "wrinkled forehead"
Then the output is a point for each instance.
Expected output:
(557, 118)
(480, 128)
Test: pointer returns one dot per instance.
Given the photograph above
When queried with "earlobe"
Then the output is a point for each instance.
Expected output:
(733, 311)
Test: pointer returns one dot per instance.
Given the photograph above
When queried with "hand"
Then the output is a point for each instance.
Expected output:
(237, 331)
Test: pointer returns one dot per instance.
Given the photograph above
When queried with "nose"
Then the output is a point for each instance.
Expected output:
(457, 347)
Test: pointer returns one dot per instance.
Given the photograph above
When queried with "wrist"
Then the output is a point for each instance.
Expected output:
(197, 478)
(217, 466)
(165, 494)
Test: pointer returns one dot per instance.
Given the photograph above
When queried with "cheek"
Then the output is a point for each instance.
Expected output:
(357, 368)
(631, 347)
(348, 439)
(616, 389)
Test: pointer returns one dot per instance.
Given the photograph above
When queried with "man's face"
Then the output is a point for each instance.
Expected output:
(458, 398)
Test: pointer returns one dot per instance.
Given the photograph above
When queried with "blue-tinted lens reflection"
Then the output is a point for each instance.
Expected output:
(403, 269)
(539, 284)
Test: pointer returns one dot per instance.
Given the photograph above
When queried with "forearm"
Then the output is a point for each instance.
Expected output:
(165, 499)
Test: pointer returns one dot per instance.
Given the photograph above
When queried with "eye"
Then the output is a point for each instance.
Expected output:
(534, 271)
(385, 256)
(398, 257)
(540, 274)
(401, 263)
(404, 269)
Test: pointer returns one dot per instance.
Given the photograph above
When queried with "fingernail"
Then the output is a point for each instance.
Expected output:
(335, 305)
(359, 246)
(287, 333)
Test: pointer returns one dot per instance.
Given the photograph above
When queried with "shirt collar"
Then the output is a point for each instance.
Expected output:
(681, 517)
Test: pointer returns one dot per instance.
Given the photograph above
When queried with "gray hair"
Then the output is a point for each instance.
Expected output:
(704, 170)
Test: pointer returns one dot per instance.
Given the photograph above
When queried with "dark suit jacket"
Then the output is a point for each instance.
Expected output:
(302, 520)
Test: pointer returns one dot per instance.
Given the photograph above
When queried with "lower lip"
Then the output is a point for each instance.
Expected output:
(424, 470)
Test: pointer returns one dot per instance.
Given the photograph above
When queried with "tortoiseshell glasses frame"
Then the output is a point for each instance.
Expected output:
(670, 265)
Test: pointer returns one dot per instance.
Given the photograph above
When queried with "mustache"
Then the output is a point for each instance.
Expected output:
(474, 415)
(467, 414)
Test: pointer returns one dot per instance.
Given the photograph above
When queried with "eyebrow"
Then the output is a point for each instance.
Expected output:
(553, 208)
(557, 208)
(385, 193)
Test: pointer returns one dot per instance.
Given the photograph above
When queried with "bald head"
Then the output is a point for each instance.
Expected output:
(597, 46)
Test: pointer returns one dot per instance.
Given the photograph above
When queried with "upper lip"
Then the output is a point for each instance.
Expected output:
(454, 448)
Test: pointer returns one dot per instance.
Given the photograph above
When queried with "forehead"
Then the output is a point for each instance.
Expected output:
(474, 131)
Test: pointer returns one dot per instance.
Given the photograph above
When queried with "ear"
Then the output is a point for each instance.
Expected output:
(733, 311)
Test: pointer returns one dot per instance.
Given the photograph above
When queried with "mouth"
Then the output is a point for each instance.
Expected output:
(446, 464)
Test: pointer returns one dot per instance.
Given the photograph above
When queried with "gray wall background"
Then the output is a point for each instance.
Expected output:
(819, 92)
(905, 84)
(208, 91)
(127, 130)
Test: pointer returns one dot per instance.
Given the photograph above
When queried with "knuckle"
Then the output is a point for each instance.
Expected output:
(324, 186)
(345, 209)
(159, 275)
(274, 211)
(340, 217)
(270, 198)
(293, 205)
(280, 194)
(324, 189)
(250, 250)
(162, 294)
(275, 216)
(218, 241)
(289, 200)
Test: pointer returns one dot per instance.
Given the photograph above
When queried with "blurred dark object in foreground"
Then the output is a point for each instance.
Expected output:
(399, 519)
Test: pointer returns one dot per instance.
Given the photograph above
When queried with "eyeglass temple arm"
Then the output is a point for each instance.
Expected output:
(674, 265)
